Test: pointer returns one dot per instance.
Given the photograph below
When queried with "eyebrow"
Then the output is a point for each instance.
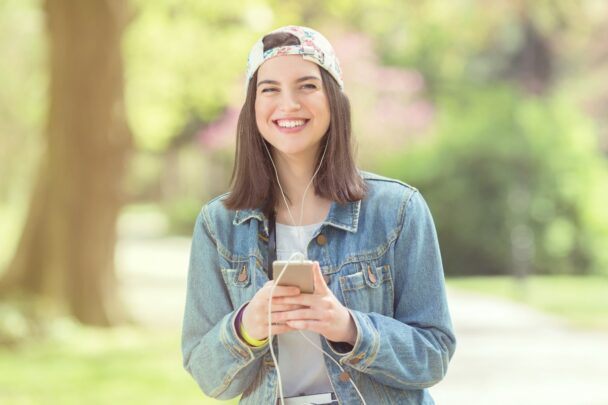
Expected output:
(301, 79)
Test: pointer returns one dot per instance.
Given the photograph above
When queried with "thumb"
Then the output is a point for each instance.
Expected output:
(319, 281)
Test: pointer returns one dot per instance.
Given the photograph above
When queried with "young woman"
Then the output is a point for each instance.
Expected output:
(378, 309)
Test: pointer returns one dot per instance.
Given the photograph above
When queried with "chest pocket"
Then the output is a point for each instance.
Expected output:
(238, 281)
(243, 279)
(368, 289)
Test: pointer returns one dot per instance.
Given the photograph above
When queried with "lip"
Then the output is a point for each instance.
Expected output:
(290, 130)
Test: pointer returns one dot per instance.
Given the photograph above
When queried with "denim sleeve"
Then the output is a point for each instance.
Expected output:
(411, 350)
(220, 362)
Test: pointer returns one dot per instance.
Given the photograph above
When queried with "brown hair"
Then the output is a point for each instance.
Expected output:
(253, 182)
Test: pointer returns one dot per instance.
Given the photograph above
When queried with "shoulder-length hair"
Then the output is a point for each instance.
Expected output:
(253, 183)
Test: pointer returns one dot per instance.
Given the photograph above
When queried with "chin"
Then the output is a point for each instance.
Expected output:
(293, 150)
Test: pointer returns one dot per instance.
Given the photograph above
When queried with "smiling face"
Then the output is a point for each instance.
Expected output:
(291, 107)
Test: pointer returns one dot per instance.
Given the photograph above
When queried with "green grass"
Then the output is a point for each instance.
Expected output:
(77, 365)
(96, 366)
(583, 301)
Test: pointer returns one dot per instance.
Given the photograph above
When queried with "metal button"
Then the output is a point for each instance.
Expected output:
(356, 360)
(344, 376)
(326, 278)
(321, 239)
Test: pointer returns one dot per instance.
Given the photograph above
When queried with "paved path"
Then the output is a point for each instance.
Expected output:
(507, 353)
(511, 354)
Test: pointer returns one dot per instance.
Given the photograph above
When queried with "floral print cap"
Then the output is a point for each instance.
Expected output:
(313, 47)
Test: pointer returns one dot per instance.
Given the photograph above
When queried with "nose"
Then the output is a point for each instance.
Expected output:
(289, 102)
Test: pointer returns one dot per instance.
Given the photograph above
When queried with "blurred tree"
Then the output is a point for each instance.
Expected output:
(515, 184)
(183, 59)
(66, 253)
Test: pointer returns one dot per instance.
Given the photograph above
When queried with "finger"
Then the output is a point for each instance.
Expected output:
(284, 291)
(298, 314)
(285, 307)
(281, 328)
(304, 299)
(319, 282)
(314, 326)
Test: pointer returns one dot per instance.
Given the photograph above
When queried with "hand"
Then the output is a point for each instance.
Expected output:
(321, 312)
(255, 314)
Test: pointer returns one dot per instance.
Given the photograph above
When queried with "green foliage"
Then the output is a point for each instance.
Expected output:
(184, 61)
(182, 214)
(515, 185)
(21, 101)
(182, 58)
(23, 93)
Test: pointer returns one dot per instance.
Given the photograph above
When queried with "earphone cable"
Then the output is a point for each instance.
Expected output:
(304, 256)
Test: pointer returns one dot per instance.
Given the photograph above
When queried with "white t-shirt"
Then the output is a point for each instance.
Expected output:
(303, 370)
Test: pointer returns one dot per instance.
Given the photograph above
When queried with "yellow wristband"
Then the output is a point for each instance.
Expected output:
(251, 341)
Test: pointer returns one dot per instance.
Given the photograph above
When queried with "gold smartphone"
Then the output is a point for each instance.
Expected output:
(298, 273)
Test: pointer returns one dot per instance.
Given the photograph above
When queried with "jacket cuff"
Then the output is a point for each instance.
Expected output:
(233, 343)
(362, 354)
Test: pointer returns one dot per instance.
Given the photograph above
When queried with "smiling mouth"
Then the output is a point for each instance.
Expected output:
(290, 124)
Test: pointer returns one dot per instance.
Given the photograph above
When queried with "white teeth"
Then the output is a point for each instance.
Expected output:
(290, 124)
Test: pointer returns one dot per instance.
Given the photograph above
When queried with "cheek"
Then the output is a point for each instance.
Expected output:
(325, 114)
(322, 107)
(262, 114)
(259, 114)
(263, 110)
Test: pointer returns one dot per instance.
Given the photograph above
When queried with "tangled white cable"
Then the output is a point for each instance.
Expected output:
(302, 257)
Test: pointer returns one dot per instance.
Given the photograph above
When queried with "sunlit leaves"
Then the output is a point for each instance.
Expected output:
(183, 58)
(504, 166)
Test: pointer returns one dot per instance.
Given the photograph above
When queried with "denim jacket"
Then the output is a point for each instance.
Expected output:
(380, 258)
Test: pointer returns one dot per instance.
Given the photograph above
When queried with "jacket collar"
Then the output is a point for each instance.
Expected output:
(341, 216)
(247, 214)
(344, 216)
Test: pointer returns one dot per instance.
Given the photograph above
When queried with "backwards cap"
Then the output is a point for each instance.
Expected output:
(313, 47)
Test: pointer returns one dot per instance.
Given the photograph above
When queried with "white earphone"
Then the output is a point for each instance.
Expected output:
(302, 256)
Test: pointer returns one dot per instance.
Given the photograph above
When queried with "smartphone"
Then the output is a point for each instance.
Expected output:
(298, 274)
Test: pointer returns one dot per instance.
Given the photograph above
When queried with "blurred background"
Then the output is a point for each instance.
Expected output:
(117, 122)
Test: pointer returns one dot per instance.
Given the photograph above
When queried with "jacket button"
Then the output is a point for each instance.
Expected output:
(356, 360)
(344, 376)
(326, 278)
(321, 239)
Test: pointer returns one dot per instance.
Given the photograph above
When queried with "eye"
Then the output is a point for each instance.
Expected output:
(309, 86)
(268, 90)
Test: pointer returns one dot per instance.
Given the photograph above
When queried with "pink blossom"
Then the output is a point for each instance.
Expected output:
(221, 132)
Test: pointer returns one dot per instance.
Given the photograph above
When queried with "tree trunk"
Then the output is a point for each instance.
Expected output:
(65, 257)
